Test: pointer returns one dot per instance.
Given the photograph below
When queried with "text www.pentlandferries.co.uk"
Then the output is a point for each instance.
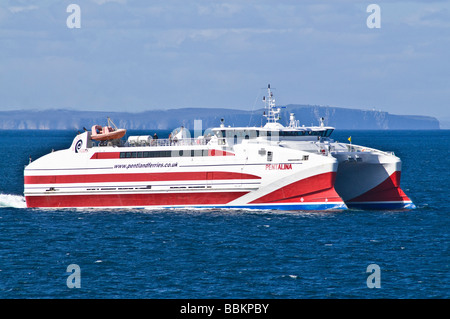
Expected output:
(145, 165)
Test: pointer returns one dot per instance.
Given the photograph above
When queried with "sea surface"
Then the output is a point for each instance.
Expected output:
(186, 253)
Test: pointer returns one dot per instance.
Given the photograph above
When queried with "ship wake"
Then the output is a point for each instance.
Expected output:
(14, 201)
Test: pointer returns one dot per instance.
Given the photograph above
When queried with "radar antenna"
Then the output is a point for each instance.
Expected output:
(273, 112)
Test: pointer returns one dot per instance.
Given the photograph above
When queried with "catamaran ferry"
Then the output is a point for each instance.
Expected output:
(270, 167)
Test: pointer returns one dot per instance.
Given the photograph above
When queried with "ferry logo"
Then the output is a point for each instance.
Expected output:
(78, 146)
(278, 166)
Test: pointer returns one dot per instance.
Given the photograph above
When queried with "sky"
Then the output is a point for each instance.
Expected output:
(136, 55)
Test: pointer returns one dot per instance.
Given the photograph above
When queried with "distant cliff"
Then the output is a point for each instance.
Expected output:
(341, 118)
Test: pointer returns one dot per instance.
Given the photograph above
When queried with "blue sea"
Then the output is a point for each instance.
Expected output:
(221, 254)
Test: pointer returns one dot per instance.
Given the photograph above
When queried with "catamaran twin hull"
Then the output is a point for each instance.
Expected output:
(370, 179)
(255, 176)
(270, 167)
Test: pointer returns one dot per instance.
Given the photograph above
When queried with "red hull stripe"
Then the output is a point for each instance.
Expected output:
(318, 188)
(106, 155)
(387, 191)
(136, 177)
(133, 200)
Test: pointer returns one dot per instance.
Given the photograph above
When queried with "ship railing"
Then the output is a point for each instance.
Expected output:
(171, 142)
(352, 148)
(358, 148)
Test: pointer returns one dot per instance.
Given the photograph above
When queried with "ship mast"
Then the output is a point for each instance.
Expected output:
(272, 112)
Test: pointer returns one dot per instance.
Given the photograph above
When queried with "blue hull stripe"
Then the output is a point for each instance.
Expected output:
(382, 205)
(311, 206)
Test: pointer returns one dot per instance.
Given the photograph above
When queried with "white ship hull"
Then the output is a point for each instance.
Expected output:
(201, 176)
(370, 179)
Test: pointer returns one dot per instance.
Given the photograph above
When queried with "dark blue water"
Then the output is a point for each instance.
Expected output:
(230, 254)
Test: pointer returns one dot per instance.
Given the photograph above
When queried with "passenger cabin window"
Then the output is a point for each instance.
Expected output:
(292, 133)
(175, 153)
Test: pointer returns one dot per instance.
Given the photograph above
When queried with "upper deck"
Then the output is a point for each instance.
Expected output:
(273, 130)
(227, 136)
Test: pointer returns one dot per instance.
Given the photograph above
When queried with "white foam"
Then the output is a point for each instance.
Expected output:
(15, 201)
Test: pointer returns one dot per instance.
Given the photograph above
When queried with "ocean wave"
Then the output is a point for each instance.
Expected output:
(14, 201)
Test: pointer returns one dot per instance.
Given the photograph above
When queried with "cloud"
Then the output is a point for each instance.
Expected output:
(18, 9)
(101, 2)
(219, 9)
(304, 48)
(430, 17)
